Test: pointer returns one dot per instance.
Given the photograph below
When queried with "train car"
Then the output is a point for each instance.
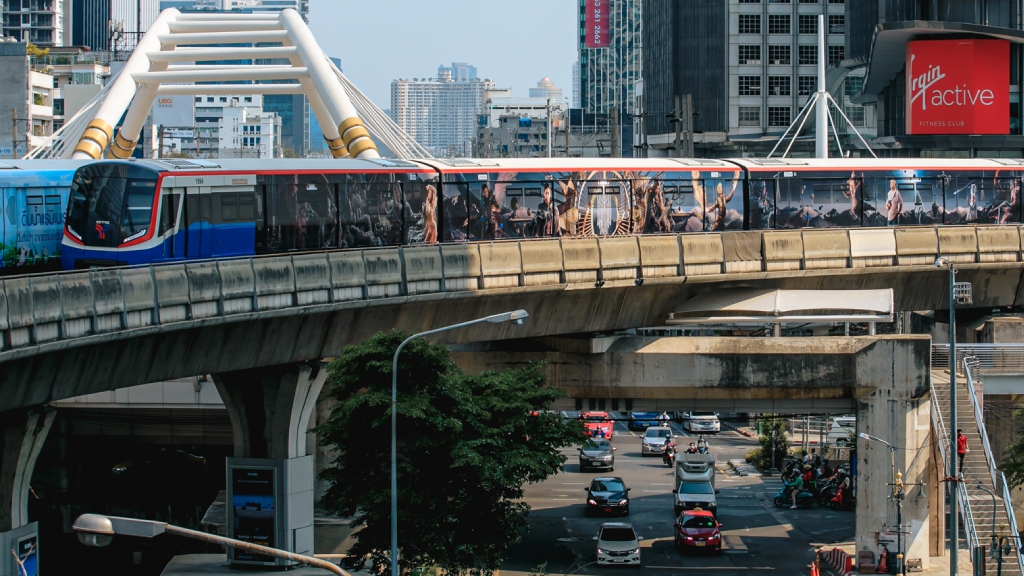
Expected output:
(33, 198)
(135, 212)
(850, 193)
(146, 211)
(494, 199)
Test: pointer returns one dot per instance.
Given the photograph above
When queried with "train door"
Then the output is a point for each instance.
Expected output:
(605, 208)
(199, 243)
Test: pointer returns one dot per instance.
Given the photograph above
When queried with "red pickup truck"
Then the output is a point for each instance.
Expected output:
(597, 424)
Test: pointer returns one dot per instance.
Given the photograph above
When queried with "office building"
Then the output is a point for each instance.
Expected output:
(934, 92)
(115, 25)
(748, 65)
(40, 22)
(546, 89)
(440, 113)
(610, 55)
(215, 127)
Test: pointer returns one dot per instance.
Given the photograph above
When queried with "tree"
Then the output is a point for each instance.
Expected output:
(772, 444)
(35, 51)
(1013, 458)
(466, 446)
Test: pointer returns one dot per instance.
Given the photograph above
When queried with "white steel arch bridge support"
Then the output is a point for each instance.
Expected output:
(158, 66)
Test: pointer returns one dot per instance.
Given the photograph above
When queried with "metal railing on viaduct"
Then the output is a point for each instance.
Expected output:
(78, 332)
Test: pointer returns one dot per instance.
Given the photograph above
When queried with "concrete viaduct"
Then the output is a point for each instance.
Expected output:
(272, 320)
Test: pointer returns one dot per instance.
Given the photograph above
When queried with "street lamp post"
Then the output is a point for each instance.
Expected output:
(954, 520)
(898, 494)
(516, 317)
(98, 530)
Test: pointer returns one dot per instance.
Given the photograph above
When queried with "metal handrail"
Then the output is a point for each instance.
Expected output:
(1008, 504)
(973, 366)
(1004, 358)
(989, 457)
(971, 533)
(944, 450)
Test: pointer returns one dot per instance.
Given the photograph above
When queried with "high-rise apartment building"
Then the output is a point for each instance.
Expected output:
(576, 85)
(749, 66)
(441, 112)
(459, 71)
(610, 53)
(40, 22)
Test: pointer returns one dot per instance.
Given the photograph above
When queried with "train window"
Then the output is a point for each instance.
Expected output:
(169, 212)
(228, 207)
(724, 204)
(53, 200)
(246, 207)
(454, 212)
(762, 204)
(138, 210)
(34, 200)
(904, 187)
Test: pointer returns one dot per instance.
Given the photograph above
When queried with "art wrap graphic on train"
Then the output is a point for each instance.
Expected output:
(152, 211)
(33, 213)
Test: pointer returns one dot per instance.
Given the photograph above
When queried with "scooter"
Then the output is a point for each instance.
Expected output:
(783, 500)
(669, 456)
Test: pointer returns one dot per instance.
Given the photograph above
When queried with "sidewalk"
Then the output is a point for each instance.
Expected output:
(937, 565)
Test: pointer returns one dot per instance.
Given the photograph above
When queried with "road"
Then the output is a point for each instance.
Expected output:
(758, 537)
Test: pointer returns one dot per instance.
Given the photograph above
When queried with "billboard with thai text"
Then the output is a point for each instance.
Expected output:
(958, 87)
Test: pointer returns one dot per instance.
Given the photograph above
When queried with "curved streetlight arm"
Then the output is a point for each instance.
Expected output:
(111, 525)
(517, 317)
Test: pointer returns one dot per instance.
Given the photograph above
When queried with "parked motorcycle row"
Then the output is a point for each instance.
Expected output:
(822, 486)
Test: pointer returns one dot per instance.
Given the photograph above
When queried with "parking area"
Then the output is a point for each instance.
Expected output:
(757, 536)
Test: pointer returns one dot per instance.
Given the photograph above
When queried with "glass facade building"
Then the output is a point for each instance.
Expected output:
(607, 75)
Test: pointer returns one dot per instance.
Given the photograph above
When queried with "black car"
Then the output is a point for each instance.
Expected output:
(607, 495)
(597, 453)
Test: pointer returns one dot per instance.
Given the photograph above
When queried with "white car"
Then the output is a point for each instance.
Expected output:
(617, 543)
(841, 430)
(654, 440)
(703, 422)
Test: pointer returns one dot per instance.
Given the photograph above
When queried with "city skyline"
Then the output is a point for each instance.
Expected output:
(538, 51)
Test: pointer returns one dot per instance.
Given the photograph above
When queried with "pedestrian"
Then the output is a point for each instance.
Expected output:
(961, 448)
(804, 457)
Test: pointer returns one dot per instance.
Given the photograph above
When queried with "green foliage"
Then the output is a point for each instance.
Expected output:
(466, 446)
(773, 430)
(1013, 459)
(36, 52)
(289, 152)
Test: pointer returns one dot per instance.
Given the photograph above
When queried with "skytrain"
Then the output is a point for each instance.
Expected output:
(33, 201)
(149, 211)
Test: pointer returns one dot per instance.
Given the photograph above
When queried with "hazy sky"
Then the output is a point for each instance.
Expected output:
(515, 44)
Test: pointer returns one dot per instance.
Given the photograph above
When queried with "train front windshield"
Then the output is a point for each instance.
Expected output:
(111, 204)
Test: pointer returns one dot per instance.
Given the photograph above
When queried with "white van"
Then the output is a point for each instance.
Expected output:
(842, 430)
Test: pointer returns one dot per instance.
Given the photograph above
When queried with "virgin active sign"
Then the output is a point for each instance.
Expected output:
(958, 87)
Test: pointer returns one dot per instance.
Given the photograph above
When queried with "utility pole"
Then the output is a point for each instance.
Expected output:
(568, 130)
(548, 144)
(616, 140)
(676, 119)
(14, 133)
(160, 131)
(688, 119)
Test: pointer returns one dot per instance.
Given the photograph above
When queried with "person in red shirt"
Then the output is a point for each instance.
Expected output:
(961, 448)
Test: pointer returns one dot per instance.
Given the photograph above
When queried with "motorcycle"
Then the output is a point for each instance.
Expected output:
(702, 445)
(783, 500)
(827, 490)
(843, 500)
(669, 456)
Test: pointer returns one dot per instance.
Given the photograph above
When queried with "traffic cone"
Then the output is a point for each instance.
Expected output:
(814, 566)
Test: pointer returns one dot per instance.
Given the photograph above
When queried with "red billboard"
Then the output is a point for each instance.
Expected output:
(958, 87)
(595, 23)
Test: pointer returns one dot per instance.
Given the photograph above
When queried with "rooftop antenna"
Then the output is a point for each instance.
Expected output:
(819, 102)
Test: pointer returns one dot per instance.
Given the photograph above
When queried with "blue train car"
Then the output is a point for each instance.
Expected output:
(33, 201)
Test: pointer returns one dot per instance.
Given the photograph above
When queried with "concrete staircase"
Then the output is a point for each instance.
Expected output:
(975, 471)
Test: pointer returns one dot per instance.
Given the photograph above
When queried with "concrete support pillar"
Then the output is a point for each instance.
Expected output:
(24, 432)
(897, 411)
(270, 408)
